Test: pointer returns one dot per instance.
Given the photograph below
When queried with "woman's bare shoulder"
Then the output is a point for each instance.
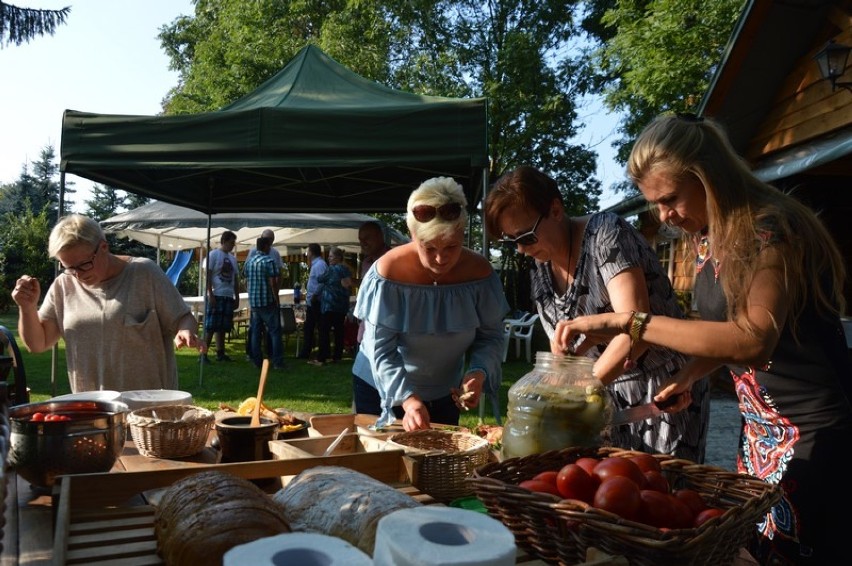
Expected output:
(392, 264)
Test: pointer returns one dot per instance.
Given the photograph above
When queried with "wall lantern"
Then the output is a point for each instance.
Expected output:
(832, 64)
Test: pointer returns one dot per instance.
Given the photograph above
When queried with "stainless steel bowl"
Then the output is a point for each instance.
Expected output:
(90, 442)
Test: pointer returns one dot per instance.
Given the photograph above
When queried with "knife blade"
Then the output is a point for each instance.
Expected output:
(642, 412)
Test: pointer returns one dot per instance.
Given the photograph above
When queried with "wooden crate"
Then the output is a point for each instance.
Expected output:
(350, 444)
(105, 519)
(332, 425)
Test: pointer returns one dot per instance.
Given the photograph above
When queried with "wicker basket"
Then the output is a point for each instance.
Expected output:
(533, 517)
(443, 460)
(170, 431)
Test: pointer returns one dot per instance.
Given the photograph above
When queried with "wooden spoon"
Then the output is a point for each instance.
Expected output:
(255, 414)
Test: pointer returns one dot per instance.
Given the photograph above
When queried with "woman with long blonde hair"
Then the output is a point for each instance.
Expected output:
(768, 287)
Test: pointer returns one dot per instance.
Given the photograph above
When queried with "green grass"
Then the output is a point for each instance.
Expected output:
(301, 387)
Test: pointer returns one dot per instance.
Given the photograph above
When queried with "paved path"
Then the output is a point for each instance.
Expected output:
(724, 430)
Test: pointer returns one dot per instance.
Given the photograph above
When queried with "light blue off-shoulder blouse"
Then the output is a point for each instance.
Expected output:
(416, 336)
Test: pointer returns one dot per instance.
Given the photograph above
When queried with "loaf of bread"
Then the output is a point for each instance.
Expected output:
(202, 516)
(339, 502)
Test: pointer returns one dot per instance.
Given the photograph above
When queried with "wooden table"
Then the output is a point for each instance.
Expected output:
(36, 521)
(30, 513)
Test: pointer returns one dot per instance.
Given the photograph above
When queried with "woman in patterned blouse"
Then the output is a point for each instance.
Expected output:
(593, 264)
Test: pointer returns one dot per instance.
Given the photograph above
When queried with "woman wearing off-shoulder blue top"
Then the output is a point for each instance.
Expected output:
(426, 305)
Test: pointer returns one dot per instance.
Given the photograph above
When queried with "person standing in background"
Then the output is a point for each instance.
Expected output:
(276, 260)
(223, 296)
(336, 285)
(273, 253)
(262, 283)
(373, 246)
(120, 316)
(313, 298)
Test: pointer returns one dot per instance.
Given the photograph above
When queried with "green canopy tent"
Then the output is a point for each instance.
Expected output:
(316, 137)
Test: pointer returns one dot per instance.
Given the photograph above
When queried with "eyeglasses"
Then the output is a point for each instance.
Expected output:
(82, 267)
(426, 212)
(526, 239)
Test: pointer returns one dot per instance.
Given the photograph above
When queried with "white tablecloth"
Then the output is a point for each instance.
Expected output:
(285, 296)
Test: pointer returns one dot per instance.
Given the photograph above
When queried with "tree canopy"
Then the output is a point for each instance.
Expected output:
(513, 52)
(20, 25)
(654, 56)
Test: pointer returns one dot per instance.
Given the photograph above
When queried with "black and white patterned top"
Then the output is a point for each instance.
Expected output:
(610, 245)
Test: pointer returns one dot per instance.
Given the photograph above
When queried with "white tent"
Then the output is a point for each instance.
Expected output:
(171, 227)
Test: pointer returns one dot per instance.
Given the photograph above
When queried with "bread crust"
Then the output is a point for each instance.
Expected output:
(339, 502)
(202, 516)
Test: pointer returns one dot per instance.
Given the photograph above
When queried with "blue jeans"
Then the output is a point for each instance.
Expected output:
(265, 318)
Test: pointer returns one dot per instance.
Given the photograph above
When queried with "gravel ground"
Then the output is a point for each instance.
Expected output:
(724, 430)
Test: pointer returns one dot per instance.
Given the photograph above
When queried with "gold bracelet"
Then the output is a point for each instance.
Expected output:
(635, 328)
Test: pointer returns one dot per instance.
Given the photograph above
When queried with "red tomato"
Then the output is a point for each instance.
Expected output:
(656, 481)
(692, 499)
(539, 486)
(706, 515)
(615, 466)
(588, 464)
(682, 516)
(646, 462)
(656, 509)
(37, 417)
(50, 417)
(573, 482)
(549, 476)
(619, 495)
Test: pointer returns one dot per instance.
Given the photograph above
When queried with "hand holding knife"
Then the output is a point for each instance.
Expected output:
(646, 411)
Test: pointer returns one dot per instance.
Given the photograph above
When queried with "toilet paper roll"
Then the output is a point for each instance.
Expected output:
(442, 536)
(302, 549)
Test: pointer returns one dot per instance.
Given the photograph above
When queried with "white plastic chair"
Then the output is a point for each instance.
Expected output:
(522, 332)
(508, 329)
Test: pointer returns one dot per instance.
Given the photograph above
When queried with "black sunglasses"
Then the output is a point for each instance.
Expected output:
(525, 239)
(426, 212)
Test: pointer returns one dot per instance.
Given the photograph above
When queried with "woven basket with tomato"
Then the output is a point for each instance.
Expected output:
(557, 515)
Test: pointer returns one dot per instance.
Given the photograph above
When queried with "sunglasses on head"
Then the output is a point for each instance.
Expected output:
(526, 239)
(426, 212)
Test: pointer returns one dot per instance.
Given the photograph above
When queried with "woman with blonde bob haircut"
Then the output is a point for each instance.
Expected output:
(425, 305)
(768, 287)
(120, 316)
(442, 197)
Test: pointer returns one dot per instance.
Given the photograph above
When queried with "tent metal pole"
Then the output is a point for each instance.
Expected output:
(203, 333)
(54, 352)
(486, 252)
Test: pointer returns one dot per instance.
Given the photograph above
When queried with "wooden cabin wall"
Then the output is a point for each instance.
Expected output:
(805, 107)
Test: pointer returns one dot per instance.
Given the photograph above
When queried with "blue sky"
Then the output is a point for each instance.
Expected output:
(107, 59)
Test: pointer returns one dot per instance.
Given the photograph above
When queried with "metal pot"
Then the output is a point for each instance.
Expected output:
(90, 442)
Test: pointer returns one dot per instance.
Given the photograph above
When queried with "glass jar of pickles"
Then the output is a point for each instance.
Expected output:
(556, 405)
